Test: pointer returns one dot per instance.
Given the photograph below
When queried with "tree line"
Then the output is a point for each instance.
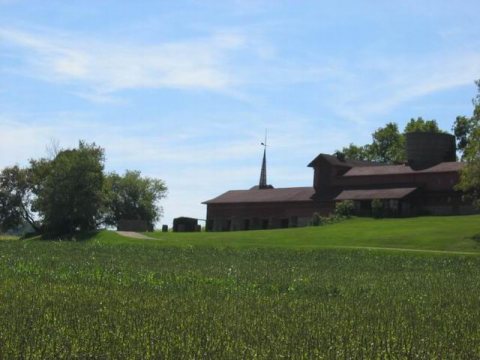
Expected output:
(71, 192)
(388, 143)
(467, 131)
(388, 146)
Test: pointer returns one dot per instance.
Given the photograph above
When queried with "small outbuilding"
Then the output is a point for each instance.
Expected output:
(185, 224)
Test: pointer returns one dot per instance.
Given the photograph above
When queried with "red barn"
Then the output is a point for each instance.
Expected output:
(423, 185)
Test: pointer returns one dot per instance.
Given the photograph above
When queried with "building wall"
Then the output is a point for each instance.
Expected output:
(421, 203)
(325, 175)
(226, 217)
(446, 203)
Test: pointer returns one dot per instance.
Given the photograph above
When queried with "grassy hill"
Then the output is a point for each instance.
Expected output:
(453, 233)
(440, 233)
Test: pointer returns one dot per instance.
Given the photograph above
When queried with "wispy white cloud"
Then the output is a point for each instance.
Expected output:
(358, 90)
(226, 61)
(377, 85)
(108, 67)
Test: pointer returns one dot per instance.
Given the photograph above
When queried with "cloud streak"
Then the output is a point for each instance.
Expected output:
(379, 84)
(227, 61)
(109, 67)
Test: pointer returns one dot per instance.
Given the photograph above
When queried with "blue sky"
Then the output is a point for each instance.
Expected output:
(183, 90)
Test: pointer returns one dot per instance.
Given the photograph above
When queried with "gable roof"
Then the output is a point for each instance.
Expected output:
(293, 194)
(370, 194)
(402, 169)
(335, 161)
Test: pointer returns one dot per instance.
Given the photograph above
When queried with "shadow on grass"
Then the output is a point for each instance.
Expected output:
(74, 237)
(476, 238)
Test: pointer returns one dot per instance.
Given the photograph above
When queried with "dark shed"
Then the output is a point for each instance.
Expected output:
(185, 224)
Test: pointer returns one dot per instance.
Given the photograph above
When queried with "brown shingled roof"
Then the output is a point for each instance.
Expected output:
(293, 194)
(402, 169)
(334, 160)
(370, 194)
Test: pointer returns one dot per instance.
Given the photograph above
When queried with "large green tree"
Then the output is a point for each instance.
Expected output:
(421, 125)
(69, 192)
(465, 127)
(69, 189)
(16, 198)
(387, 145)
(354, 152)
(462, 128)
(133, 197)
(467, 130)
(470, 175)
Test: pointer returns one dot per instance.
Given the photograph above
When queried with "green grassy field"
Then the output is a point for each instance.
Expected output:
(453, 233)
(271, 294)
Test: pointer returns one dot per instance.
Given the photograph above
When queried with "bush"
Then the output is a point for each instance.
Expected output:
(378, 210)
(344, 209)
(318, 220)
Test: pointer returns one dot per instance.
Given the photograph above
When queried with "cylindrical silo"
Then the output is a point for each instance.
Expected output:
(426, 149)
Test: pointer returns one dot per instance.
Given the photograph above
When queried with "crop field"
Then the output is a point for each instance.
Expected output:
(111, 298)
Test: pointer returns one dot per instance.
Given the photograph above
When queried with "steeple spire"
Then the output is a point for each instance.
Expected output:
(263, 174)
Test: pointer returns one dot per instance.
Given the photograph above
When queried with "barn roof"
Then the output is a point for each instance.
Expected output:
(370, 194)
(402, 169)
(293, 194)
(334, 160)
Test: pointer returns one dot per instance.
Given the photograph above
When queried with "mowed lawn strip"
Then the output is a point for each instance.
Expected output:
(441, 233)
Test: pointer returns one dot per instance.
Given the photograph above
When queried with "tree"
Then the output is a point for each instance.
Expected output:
(69, 189)
(421, 125)
(468, 130)
(354, 152)
(133, 197)
(470, 175)
(69, 192)
(387, 145)
(16, 198)
(464, 126)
